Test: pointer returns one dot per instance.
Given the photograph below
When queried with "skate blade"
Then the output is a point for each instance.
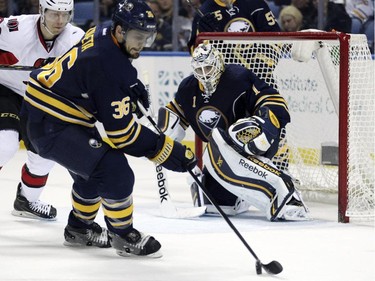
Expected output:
(172, 212)
(24, 214)
(82, 245)
(155, 255)
(75, 245)
(296, 217)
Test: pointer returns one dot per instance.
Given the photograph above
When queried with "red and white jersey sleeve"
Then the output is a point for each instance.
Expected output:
(22, 44)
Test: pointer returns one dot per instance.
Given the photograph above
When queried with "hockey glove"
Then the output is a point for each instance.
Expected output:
(208, 23)
(139, 93)
(173, 155)
(256, 134)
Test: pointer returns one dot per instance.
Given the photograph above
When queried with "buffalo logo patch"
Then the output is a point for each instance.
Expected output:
(95, 143)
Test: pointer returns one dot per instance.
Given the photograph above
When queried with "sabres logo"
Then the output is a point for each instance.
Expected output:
(95, 143)
(126, 6)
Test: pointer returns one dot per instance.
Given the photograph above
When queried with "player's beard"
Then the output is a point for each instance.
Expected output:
(134, 53)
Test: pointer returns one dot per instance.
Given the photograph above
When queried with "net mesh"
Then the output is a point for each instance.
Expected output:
(361, 139)
(309, 146)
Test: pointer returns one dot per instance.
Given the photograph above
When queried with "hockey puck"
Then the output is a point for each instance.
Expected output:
(258, 267)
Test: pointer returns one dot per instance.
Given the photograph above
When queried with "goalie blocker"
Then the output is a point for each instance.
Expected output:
(254, 179)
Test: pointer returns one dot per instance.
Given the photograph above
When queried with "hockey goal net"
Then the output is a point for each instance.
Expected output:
(330, 141)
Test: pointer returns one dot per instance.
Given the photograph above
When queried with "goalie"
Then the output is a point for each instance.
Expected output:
(240, 117)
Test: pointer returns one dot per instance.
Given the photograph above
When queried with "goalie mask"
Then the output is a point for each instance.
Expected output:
(208, 65)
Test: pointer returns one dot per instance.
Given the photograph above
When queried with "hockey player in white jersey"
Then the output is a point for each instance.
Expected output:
(29, 40)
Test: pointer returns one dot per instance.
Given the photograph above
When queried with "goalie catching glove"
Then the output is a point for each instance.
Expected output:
(256, 134)
(172, 155)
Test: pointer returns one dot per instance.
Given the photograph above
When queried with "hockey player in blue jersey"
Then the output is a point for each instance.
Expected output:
(240, 117)
(233, 16)
(95, 81)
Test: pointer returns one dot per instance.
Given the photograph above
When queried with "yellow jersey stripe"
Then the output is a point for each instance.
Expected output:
(86, 208)
(118, 214)
(58, 115)
(277, 104)
(122, 139)
(122, 131)
(55, 103)
(133, 139)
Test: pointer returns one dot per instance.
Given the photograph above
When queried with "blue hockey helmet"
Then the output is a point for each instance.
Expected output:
(135, 15)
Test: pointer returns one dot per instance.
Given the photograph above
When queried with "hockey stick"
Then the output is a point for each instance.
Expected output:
(274, 267)
(199, 12)
(167, 208)
(17, 67)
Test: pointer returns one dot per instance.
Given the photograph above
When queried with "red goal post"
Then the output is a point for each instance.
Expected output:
(331, 157)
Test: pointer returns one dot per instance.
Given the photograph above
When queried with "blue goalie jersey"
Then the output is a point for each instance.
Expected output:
(239, 94)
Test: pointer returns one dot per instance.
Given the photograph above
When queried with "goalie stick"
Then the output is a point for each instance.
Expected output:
(274, 267)
(167, 207)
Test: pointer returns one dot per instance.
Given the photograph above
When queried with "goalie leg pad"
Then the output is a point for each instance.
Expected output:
(295, 209)
(253, 179)
(228, 202)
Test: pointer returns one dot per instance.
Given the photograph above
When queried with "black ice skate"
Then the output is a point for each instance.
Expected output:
(136, 243)
(94, 235)
(33, 210)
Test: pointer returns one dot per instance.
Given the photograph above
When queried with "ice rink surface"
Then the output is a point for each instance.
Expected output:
(199, 249)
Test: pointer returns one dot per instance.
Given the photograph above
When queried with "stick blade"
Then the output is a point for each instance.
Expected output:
(274, 267)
